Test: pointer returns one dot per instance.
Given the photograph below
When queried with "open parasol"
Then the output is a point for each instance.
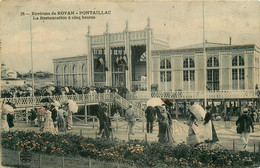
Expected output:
(7, 109)
(73, 107)
(47, 100)
(154, 102)
(198, 112)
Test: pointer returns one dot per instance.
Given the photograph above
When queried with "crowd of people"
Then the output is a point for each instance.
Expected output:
(27, 90)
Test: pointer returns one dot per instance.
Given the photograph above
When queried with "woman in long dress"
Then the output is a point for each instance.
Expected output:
(210, 134)
(193, 132)
(165, 126)
(48, 124)
(61, 120)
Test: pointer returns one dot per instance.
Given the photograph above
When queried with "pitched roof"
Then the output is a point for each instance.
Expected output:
(207, 44)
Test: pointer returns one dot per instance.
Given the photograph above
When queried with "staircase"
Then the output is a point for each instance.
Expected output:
(125, 104)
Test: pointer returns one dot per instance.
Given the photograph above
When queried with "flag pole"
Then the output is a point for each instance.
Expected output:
(32, 70)
(205, 60)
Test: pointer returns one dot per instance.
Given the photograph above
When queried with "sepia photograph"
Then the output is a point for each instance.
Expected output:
(127, 84)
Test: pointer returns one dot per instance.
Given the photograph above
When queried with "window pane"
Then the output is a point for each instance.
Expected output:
(169, 76)
(192, 65)
(185, 75)
(209, 62)
(234, 61)
(162, 65)
(209, 75)
(216, 62)
(234, 74)
(192, 75)
(168, 64)
(241, 74)
(162, 74)
(241, 61)
(185, 63)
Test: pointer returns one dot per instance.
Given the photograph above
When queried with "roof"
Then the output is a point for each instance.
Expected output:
(207, 44)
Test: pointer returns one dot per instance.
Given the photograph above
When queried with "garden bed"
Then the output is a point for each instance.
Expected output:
(58, 149)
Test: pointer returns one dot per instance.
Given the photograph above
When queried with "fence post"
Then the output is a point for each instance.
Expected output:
(26, 116)
(63, 164)
(145, 137)
(93, 122)
(80, 132)
(233, 145)
(40, 158)
(254, 147)
(89, 162)
(19, 159)
(86, 114)
(128, 137)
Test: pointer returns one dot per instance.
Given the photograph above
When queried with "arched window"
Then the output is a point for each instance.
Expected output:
(238, 73)
(165, 74)
(58, 75)
(74, 76)
(189, 74)
(212, 74)
(66, 75)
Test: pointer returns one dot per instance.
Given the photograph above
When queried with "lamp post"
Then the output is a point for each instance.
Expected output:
(205, 60)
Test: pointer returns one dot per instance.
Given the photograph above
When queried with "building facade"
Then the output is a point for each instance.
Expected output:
(229, 67)
(139, 61)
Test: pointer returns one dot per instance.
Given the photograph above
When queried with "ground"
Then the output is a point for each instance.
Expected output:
(226, 131)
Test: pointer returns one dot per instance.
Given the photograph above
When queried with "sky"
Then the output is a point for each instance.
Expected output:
(180, 21)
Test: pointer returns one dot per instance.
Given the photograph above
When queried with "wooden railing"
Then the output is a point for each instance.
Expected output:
(220, 94)
(79, 98)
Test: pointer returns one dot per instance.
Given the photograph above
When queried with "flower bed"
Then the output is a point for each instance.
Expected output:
(138, 153)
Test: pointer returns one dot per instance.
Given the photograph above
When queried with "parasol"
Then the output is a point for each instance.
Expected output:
(198, 112)
(56, 103)
(7, 109)
(73, 107)
(47, 100)
(154, 102)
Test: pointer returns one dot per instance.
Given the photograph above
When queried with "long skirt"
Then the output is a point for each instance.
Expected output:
(208, 131)
(5, 125)
(69, 121)
(49, 126)
(193, 136)
(61, 124)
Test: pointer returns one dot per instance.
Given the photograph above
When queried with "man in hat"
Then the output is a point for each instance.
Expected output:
(243, 123)
(130, 118)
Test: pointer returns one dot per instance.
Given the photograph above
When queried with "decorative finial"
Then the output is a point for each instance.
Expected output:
(88, 29)
(107, 27)
(148, 22)
(126, 25)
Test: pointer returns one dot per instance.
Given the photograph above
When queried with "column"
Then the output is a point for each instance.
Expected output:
(108, 58)
(148, 53)
(128, 73)
(89, 62)
(177, 109)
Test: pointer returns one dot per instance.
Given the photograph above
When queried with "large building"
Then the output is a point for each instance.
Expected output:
(140, 61)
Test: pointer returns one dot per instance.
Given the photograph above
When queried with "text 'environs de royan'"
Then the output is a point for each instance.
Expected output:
(73, 13)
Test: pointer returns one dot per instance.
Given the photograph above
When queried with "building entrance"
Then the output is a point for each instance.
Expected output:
(119, 66)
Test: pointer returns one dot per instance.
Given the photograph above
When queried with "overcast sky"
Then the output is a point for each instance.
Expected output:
(182, 21)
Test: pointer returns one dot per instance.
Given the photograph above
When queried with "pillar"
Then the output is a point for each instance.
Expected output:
(177, 109)
(225, 108)
(128, 72)
(148, 54)
(90, 61)
(108, 59)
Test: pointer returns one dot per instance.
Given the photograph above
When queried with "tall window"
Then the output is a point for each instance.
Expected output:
(212, 74)
(59, 75)
(66, 75)
(84, 75)
(99, 67)
(165, 74)
(74, 76)
(238, 73)
(188, 74)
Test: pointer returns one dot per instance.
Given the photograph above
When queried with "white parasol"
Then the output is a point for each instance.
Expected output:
(198, 112)
(154, 102)
(6, 108)
(73, 107)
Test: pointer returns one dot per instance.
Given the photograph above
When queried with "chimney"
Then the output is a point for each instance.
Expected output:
(230, 40)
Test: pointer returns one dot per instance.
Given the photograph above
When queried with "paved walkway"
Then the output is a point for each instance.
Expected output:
(226, 132)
